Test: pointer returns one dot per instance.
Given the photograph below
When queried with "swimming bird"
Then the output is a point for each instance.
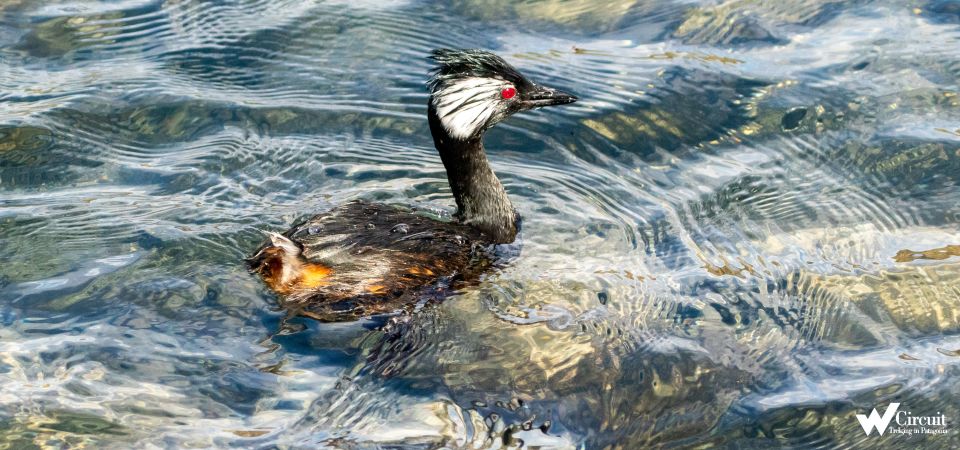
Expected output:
(362, 258)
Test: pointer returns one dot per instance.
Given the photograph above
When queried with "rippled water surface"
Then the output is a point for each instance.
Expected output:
(743, 235)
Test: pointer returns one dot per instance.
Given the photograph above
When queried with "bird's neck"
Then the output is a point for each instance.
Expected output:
(481, 200)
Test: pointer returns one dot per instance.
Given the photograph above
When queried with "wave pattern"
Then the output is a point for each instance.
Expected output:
(709, 247)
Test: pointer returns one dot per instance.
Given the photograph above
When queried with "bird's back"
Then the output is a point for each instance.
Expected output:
(366, 258)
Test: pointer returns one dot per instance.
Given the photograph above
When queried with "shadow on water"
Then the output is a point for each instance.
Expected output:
(743, 235)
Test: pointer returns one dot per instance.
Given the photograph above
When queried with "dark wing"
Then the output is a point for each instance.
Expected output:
(381, 258)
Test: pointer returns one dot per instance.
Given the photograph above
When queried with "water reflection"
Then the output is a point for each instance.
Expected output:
(742, 236)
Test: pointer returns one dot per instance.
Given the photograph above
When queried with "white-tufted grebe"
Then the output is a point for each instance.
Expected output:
(363, 258)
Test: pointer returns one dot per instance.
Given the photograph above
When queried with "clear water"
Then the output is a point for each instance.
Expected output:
(739, 237)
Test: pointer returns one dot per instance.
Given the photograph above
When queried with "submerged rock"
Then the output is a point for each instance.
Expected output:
(752, 21)
(585, 13)
(61, 36)
(24, 138)
(791, 120)
(683, 109)
(579, 15)
(920, 300)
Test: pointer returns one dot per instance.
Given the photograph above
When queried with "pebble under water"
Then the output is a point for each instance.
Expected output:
(743, 235)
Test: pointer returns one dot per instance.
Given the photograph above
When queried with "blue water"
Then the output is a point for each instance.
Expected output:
(744, 234)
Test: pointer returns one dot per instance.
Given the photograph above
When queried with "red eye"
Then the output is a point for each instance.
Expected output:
(508, 93)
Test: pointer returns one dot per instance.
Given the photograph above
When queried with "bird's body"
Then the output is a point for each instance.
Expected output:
(368, 258)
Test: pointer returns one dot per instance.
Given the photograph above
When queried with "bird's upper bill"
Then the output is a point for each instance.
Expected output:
(471, 90)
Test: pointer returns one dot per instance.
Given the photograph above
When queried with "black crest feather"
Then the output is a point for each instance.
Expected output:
(453, 64)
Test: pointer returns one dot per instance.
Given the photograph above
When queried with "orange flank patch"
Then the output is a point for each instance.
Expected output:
(314, 276)
(305, 276)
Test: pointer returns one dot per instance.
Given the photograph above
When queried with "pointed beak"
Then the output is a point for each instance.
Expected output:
(544, 96)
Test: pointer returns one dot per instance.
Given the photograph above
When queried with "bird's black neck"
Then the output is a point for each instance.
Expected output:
(482, 202)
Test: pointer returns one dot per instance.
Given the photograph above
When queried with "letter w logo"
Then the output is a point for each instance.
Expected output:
(875, 421)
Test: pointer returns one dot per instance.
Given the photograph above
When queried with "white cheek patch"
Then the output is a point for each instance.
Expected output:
(467, 104)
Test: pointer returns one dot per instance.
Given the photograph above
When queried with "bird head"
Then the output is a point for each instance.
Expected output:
(472, 90)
